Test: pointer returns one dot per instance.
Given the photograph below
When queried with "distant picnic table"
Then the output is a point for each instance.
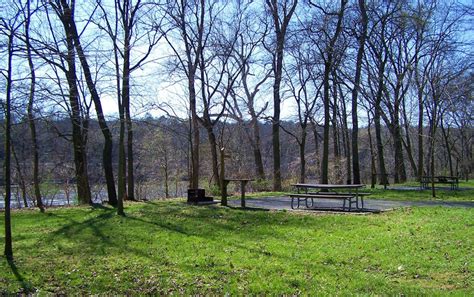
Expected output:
(453, 181)
(243, 182)
(348, 193)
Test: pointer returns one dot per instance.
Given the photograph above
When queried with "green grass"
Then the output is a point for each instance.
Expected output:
(465, 192)
(169, 247)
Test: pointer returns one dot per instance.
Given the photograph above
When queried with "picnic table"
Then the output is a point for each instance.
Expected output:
(349, 193)
(243, 182)
(453, 181)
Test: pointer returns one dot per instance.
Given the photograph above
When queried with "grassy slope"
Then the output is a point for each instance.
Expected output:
(165, 247)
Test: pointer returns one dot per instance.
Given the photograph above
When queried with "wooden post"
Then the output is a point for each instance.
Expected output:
(222, 181)
(242, 193)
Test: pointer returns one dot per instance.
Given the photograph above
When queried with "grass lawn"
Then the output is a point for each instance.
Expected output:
(169, 247)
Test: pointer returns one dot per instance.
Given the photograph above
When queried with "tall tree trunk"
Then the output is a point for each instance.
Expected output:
(335, 126)
(328, 65)
(276, 117)
(448, 147)
(377, 122)
(257, 152)
(21, 178)
(31, 116)
(314, 128)
(420, 172)
(345, 138)
(82, 179)
(214, 157)
(8, 252)
(302, 146)
(355, 92)
(195, 133)
(125, 102)
(108, 144)
(122, 164)
(373, 170)
(407, 142)
(280, 23)
(325, 158)
(398, 148)
(130, 163)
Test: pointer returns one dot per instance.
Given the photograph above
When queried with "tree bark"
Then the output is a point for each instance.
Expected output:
(8, 252)
(328, 65)
(280, 25)
(107, 152)
(302, 147)
(82, 179)
(31, 116)
(257, 152)
(377, 123)
(355, 92)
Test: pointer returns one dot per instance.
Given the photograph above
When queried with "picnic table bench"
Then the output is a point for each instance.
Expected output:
(453, 181)
(350, 194)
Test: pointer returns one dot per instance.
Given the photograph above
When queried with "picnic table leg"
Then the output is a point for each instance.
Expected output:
(224, 192)
(242, 191)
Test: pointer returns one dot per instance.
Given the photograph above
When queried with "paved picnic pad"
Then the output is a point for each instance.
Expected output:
(370, 205)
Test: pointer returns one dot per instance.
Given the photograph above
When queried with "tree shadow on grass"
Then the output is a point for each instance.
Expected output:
(26, 286)
(247, 208)
(74, 227)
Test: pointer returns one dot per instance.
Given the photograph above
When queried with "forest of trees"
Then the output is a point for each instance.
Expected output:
(118, 93)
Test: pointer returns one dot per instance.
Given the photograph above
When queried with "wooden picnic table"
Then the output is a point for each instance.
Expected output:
(453, 181)
(243, 182)
(350, 193)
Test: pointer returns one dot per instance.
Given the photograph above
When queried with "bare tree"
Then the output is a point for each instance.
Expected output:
(78, 131)
(9, 26)
(253, 76)
(328, 52)
(355, 92)
(281, 12)
(188, 19)
(65, 12)
(127, 15)
(31, 115)
(305, 89)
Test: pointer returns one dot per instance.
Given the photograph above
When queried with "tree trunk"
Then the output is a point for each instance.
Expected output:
(328, 65)
(420, 172)
(107, 152)
(280, 23)
(325, 158)
(448, 148)
(398, 147)
(335, 126)
(302, 146)
(21, 178)
(31, 116)
(314, 128)
(377, 120)
(214, 157)
(276, 116)
(194, 132)
(373, 170)
(82, 179)
(8, 252)
(408, 146)
(130, 163)
(355, 92)
(257, 152)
